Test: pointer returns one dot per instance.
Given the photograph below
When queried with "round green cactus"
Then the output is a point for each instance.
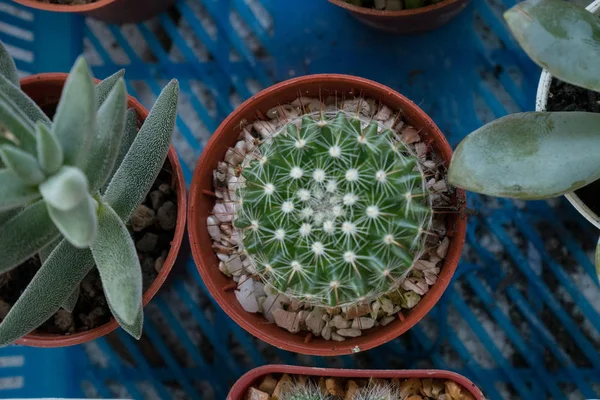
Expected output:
(333, 210)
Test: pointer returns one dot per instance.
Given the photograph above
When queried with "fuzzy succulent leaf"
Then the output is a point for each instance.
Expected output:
(49, 289)
(135, 328)
(75, 119)
(23, 164)
(561, 37)
(65, 189)
(106, 144)
(17, 123)
(119, 266)
(47, 250)
(79, 225)
(104, 87)
(529, 156)
(8, 69)
(22, 236)
(129, 134)
(15, 193)
(71, 302)
(598, 260)
(23, 102)
(145, 158)
(49, 152)
(6, 215)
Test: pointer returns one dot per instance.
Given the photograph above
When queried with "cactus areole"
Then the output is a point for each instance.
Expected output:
(333, 210)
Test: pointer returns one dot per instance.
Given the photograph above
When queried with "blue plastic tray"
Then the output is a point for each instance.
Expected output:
(522, 318)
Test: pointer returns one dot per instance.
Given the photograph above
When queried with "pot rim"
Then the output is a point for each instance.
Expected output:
(243, 383)
(52, 340)
(81, 8)
(392, 14)
(279, 337)
(541, 102)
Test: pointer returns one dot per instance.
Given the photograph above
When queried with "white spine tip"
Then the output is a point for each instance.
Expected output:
(352, 175)
(319, 175)
(305, 229)
(318, 248)
(280, 234)
(337, 211)
(296, 266)
(269, 189)
(303, 195)
(287, 207)
(388, 239)
(296, 173)
(334, 284)
(254, 225)
(350, 199)
(348, 228)
(380, 176)
(349, 257)
(335, 151)
(328, 226)
(373, 212)
(331, 186)
(300, 143)
(307, 212)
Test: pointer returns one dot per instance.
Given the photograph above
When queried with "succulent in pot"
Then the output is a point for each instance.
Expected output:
(540, 155)
(69, 186)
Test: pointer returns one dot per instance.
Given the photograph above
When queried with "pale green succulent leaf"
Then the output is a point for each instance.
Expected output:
(104, 87)
(49, 289)
(529, 155)
(6, 215)
(105, 148)
(561, 37)
(65, 189)
(15, 193)
(23, 164)
(119, 266)
(23, 102)
(598, 259)
(25, 234)
(75, 119)
(47, 250)
(49, 152)
(136, 328)
(78, 225)
(129, 134)
(8, 69)
(17, 123)
(146, 156)
(71, 302)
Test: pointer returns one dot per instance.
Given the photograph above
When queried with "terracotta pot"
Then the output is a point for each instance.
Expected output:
(45, 90)
(202, 202)
(406, 21)
(240, 388)
(111, 11)
(540, 105)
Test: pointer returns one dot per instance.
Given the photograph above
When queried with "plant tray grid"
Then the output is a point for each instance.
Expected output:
(522, 316)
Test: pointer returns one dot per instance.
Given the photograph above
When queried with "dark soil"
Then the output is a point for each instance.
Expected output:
(566, 97)
(91, 310)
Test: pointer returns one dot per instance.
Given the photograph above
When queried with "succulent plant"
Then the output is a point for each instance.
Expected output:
(303, 391)
(69, 186)
(333, 209)
(378, 391)
(539, 155)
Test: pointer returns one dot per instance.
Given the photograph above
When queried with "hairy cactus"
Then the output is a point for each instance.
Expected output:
(377, 391)
(78, 177)
(304, 391)
(333, 210)
(538, 155)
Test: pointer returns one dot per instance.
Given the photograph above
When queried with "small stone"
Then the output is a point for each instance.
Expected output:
(142, 218)
(415, 397)
(363, 323)
(352, 389)
(255, 394)
(287, 320)
(409, 135)
(386, 305)
(340, 323)
(268, 385)
(245, 295)
(383, 114)
(438, 387)
(410, 387)
(375, 309)
(167, 216)
(427, 387)
(417, 285)
(213, 228)
(387, 320)
(453, 390)
(273, 303)
(314, 321)
(64, 321)
(349, 332)
(412, 299)
(157, 199)
(284, 383)
(358, 311)
(326, 332)
(334, 387)
(337, 338)
(165, 188)
(159, 263)
(442, 249)
(439, 187)
(147, 243)
(421, 150)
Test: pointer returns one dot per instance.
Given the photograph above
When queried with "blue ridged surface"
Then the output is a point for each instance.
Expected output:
(522, 318)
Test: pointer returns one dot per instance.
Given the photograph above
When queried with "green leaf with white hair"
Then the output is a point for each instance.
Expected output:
(129, 134)
(8, 69)
(47, 250)
(598, 260)
(49, 289)
(71, 302)
(145, 158)
(65, 189)
(33, 112)
(104, 87)
(6, 215)
(22, 236)
(14, 192)
(529, 156)
(23, 164)
(561, 37)
(119, 266)
(78, 225)
(75, 119)
(136, 327)
(17, 123)
(49, 152)
(106, 145)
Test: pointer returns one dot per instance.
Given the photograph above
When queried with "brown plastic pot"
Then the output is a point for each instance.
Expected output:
(111, 11)
(238, 391)
(45, 90)
(406, 21)
(202, 201)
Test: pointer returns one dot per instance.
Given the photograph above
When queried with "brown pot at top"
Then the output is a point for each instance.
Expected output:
(45, 90)
(111, 11)
(416, 20)
(241, 387)
(202, 201)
